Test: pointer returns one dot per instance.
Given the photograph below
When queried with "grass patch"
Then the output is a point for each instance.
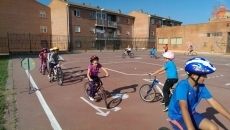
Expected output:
(3, 78)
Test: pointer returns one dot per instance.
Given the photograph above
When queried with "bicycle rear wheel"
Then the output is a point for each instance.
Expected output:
(60, 76)
(123, 55)
(147, 94)
(186, 53)
(103, 96)
(131, 55)
(87, 89)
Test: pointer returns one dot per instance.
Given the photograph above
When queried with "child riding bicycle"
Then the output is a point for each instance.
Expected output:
(43, 58)
(153, 52)
(190, 48)
(188, 94)
(171, 74)
(54, 60)
(92, 74)
(128, 50)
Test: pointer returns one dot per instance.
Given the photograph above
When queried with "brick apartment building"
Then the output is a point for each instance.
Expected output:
(89, 27)
(145, 24)
(210, 37)
(23, 17)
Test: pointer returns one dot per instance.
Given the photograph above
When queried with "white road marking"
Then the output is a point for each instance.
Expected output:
(149, 80)
(227, 84)
(125, 73)
(120, 95)
(55, 125)
(100, 112)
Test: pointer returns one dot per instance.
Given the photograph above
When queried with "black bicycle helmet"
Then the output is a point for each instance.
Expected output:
(94, 57)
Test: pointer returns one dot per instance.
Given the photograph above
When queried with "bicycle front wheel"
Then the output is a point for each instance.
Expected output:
(186, 53)
(147, 94)
(123, 55)
(103, 96)
(87, 89)
(60, 76)
(194, 53)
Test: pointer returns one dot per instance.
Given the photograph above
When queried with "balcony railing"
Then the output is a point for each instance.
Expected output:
(112, 24)
(101, 22)
(112, 35)
(106, 36)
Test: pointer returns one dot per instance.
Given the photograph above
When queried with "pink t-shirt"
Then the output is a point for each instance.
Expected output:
(94, 70)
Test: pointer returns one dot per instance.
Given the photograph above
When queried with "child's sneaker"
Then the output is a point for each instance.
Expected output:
(92, 99)
(163, 102)
(165, 109)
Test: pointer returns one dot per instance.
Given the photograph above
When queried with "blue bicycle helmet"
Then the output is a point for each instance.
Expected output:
(199, 66)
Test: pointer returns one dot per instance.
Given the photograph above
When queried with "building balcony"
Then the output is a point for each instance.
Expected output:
(102, 36)
(101, 22)
(112, 24)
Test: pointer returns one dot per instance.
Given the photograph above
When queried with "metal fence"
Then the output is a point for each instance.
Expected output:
(34, 43)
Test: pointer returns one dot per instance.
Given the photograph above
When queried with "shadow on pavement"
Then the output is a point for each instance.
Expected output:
(209, 114)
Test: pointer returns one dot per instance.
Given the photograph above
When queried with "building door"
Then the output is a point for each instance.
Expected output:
(228, 43)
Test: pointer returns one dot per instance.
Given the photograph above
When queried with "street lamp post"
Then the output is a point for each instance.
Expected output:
(103, 27)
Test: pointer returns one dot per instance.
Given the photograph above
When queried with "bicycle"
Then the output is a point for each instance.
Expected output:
(57, 74)
(131, 55)
(44, 66)
(188, 53)
(99, 90)
(148, 90)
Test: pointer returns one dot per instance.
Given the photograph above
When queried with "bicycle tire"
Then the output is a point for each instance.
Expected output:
(143, 96)
(103, 96)
(194, 53)
(43, 69)
(87, 89)
(59, 76)
(186, 54)
(123, 55)
(131, 55)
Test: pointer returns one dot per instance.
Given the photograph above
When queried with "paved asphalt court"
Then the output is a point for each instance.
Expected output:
(66, 107)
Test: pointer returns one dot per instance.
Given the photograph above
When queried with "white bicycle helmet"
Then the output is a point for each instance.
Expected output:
(169, 55)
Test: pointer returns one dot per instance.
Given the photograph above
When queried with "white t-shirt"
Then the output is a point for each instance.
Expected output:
(128, 49)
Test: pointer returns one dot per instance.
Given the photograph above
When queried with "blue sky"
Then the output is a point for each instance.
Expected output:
(186, 11)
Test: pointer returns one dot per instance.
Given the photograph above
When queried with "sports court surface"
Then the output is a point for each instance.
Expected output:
(66, 107)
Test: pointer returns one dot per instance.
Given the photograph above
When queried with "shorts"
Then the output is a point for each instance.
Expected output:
(51, 65)
(180, 124)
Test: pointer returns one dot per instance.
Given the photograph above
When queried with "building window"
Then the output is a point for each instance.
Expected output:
(127, 32)
(78, 44)
(43, 29)
(152, 21)
(92, 15)
(216, 34)
(77, 28)
(128, 21)
(176, 40)
(92, 44)
(162, 40)
(118, 32)
(118, 19)
(42, 14)
(100, 16)
(77, 12)
(92, 29)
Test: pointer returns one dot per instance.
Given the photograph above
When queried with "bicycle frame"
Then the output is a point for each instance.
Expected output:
(155, 84)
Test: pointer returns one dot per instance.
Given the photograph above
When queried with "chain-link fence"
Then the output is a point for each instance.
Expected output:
(34, 43)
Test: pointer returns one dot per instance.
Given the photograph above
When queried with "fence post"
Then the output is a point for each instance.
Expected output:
(8, 40)
(30, 43)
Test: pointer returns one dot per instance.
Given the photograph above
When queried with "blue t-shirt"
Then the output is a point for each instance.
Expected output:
(184, 91)
(171, 70)
(153, 51)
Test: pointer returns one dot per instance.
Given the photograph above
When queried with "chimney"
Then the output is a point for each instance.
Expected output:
(141, 11)
(83, 3)
(98, 7)
(119, 11)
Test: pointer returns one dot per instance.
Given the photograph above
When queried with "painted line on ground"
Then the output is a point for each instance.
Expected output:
(227, 84)
(100, 112)
(125, 73)
(218, 76)
(149, 80)
(55, 125)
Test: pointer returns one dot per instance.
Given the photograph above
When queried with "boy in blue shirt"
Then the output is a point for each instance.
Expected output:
(188, 94)
(153, 52)
(171, 74)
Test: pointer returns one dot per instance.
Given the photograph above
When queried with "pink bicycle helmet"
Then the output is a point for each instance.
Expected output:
(169, 55)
